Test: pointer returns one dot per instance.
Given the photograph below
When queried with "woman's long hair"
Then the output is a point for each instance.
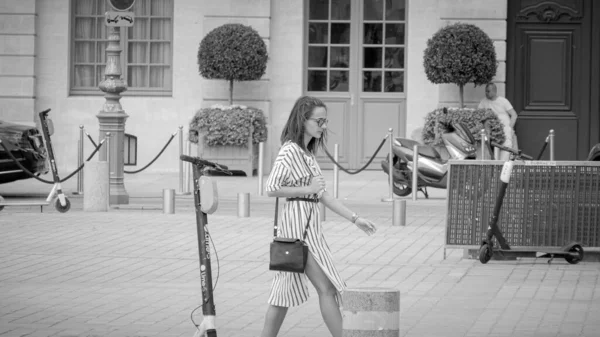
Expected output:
(294, 128)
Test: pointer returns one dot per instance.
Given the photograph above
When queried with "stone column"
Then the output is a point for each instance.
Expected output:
(112, 117)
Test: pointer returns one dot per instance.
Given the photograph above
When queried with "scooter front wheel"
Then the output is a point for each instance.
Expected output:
(485, 253)
(402, 189)
(61, 208)
(572, 259)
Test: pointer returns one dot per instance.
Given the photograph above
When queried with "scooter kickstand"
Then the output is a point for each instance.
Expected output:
(551, 258)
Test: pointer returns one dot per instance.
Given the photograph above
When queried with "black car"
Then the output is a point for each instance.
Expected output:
(26, 145)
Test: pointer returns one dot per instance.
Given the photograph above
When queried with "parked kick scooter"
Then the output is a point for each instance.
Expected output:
(206, 202)
(62, 203)
(573, 252)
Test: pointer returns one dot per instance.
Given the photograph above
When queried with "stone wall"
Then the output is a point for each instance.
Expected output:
(17, 60)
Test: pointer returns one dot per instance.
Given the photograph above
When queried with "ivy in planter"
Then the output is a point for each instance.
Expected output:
(228, 125)
(436, 120)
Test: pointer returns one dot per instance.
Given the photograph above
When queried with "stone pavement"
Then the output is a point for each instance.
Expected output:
(134, 271)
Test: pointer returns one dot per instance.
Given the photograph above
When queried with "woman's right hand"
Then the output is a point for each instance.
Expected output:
(317, 184)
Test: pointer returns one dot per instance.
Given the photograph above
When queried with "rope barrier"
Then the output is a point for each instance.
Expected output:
(44, 180)
(90, 138)
(362, 168)
(155, 158)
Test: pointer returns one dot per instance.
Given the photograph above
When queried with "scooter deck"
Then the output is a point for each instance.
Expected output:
(536, 252)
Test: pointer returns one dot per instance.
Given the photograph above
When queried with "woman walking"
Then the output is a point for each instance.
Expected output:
(296, 176)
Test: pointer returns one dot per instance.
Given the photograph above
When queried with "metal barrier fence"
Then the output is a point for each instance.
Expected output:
(547, 203)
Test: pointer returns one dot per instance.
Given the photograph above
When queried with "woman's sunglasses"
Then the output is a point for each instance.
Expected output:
(320, 121)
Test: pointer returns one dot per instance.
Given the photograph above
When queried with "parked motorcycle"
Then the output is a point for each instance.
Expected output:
(458, 144)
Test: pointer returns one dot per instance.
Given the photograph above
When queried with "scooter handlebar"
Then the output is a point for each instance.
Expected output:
(513, 151)
(201, 162)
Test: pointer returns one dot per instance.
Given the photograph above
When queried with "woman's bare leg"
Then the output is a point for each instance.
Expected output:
(330, 309)
(273, 320)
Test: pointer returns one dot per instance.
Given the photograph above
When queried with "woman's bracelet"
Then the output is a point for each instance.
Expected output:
(354, 217)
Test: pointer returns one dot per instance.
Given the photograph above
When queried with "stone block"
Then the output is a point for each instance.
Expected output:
(261, 25)
(95, 186)
(17, 65)
(246, 90)
(480, 9)
(17, 24)
(17, 86)
(450, 93)
(18, 109)
(17, 6)
(17, 44)
(232, 8)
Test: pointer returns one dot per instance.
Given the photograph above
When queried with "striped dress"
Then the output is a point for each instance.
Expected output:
(294, 167)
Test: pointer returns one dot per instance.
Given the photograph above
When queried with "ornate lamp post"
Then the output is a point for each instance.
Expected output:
(112, 116)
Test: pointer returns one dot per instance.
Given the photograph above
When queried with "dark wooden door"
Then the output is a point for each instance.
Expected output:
(549, 74)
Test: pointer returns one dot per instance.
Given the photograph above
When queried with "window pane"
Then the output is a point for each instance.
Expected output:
(373, 33)
(317, 80)
(101, 51)
(84, 52)
(160, 77)
(338, 81)
(318, 10)
(340, 33)
(139, 31)
(160, 29)
(84, 7)
(372, 57)
(84, 76)
(394, 33)
(160, 53)
(162, 8)
(395, 10)
(142, 8)
(340, 10)
(138, 52)
(372, 81)
(340, 57)
(102, 30)
(318, 32)
(100, 73)
(373, 9)
(394, 57)
(84, 28)
(394, 81)
(137, 76)
(317, 57)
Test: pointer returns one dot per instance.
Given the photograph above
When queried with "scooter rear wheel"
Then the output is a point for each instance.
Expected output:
(485, 253)
(1, 200)
(61, 208)
(575, 249)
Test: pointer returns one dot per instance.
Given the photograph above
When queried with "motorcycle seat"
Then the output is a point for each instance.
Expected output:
(424, 150)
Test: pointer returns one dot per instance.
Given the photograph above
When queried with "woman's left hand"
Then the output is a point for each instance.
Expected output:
(366, 225)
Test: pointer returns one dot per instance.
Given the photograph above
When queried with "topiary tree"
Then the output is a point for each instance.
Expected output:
(460, 53)
(232, 52)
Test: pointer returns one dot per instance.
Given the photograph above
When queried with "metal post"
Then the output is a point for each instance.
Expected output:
(399, 209)
(415, 173)
(483, 135)
(243, 205)
(390, 137)
(107, 156)
(261, 153)
(79, 162)
(551, 141)
(168, 201)
(180, 161)
(336, 170)
(188, 170)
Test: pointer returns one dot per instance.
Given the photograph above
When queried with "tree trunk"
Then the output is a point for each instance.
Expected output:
(230, 92)
(462, 91)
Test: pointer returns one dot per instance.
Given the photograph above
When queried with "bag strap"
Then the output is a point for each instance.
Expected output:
(275, 221)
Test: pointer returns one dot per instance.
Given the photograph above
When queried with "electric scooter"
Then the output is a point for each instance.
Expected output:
(572, 253)
(62, 203)
(458, 144)
(206, 202)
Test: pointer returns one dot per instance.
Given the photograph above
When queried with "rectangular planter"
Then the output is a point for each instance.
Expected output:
(236, 158)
